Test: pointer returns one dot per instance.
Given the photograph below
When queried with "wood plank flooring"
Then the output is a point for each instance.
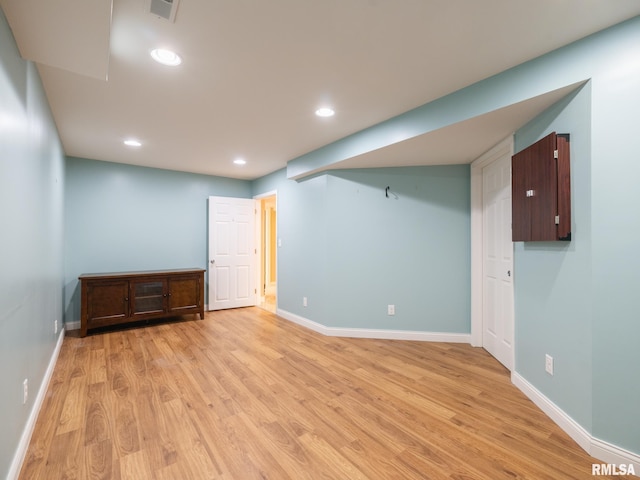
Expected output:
(246, 395)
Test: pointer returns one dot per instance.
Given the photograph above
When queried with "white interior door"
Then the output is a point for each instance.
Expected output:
(232, 253)
(497, 298)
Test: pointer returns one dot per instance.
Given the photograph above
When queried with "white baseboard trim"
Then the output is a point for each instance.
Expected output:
(21, 451)
(72, 325)
(564, 421)
(604, 451)
(375, 333)
(609, 453)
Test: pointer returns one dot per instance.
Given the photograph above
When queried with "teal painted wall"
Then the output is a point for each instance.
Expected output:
(411, 250)
(302, 229)
(31, 237)
(577, 302)
(352, 251)
(553, 280)
(615, 238)
(122, 217)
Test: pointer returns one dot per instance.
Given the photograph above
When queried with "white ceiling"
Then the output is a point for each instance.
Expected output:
(254, 71)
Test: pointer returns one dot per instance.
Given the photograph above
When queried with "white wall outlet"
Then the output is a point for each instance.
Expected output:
(391, 309)
(25, 391)
(304, 301)
(55, 326)
(548, 364)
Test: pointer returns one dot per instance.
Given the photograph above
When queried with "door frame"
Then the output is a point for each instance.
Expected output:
(505, 147)
(257, 198)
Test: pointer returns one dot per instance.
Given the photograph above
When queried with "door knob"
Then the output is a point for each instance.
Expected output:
(508, 273)
(212, 262)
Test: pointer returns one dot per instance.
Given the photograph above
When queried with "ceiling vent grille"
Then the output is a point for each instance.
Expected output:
(163, 8)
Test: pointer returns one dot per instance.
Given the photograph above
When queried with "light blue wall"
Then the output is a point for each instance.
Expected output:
(553, 280)
(352, 251)
(615, 237)
(302, 230)
(31, 236)
(122, 217)
(411, 250)
(585, 292)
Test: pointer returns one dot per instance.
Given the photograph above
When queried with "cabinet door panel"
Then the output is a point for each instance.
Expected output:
(184, 293)
(148, 296)
(564, 187)
(107, 302)
(541, 191)
(543, 182)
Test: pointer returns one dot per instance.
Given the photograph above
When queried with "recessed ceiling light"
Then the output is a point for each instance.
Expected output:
(325, 112)
(240, 161)
(166, 57)
(132, 143)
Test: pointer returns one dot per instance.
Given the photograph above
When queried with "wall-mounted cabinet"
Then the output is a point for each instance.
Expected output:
(541, 191)
(117, 298)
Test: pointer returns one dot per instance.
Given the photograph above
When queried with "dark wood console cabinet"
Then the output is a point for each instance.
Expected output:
(117, 298)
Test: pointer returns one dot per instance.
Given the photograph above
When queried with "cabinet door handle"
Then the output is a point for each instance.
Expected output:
(126, 299)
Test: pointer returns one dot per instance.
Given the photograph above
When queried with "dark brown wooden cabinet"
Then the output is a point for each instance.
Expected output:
(541, 191)
(117, 298)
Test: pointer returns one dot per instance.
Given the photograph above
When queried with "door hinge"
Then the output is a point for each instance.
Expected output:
(555, 154)
(557, 219)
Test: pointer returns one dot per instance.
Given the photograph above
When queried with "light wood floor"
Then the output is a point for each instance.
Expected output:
(245, 395)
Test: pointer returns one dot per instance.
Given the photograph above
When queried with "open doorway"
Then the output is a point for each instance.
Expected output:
(268, 248)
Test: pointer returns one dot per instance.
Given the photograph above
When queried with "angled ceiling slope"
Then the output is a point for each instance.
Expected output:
(462, 142)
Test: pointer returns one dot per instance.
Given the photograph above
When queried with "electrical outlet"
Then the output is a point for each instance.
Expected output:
(304, 301)
(55, 327)
(391, 309)
(25, 391)
(548, 364)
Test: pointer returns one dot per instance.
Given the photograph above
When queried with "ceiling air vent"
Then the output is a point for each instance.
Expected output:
(163, 8)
